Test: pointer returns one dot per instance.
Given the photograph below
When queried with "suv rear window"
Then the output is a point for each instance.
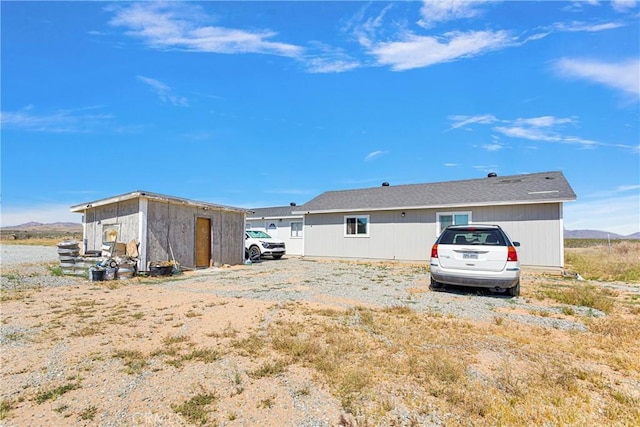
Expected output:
(461, 236)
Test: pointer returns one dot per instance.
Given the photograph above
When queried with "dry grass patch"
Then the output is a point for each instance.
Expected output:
(579, 294)
(56, 392)
(133, 360)
(384, 363)
(618, 262)
(196, 409)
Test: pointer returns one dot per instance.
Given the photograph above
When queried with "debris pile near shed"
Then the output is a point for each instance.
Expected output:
(114, 261)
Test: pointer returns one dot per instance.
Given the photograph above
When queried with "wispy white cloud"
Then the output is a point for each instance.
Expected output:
(415, 51)
(492, 147)
(623, 5)
(326, 59)
(548, 129)
(544, 121)
(462, 121)
(623, 76)
(547, 134)
(436, 11)
(184, 26)
(374, 154)
(625, 188)
(164, 92)
(365, 28)
(60, 121)
(578, 26)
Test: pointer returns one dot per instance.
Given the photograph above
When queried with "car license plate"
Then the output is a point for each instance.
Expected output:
(469, 255)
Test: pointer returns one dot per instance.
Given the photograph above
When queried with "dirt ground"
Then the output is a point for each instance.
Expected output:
(69, 335)
(129, 353)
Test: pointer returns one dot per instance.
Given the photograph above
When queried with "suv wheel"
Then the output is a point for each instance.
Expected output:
(254, 252)
(515, 291)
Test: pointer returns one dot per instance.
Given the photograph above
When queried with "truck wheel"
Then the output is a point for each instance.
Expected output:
(254, 252)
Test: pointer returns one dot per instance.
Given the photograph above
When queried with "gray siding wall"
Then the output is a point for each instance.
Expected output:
(123, 213)
(173, 227)
(391, 236)
(228, 237)
(169, 224)
(538, 228)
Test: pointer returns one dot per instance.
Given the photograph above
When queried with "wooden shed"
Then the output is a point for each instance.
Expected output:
(194, 234)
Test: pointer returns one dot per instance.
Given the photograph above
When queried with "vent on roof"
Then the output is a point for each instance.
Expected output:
(292, 204)
(492, 175)
(385, 184)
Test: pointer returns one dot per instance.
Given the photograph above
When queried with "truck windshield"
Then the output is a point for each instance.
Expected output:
(258, 234)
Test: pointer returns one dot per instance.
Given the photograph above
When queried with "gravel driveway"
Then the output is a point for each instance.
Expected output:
(335, 282)
(374, 284)
(19, 254)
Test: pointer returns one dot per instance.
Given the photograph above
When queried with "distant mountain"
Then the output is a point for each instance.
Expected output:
(597, 234)
(54, 226)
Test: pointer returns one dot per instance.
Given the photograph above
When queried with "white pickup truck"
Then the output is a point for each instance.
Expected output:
(258, 244)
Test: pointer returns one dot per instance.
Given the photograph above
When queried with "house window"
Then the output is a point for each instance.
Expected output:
(452, 218)
(356, 226)
(296, 229)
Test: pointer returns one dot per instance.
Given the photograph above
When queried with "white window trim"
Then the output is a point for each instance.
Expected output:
(301, 229)
(453, 214)
(356, 235)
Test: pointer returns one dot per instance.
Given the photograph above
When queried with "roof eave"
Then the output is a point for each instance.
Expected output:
(274, 217)
(157, 197)
(440, 206)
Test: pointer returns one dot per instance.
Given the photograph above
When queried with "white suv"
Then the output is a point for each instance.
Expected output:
(258, 244)
(476, 255)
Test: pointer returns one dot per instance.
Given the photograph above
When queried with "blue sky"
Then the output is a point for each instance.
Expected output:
(256, 104)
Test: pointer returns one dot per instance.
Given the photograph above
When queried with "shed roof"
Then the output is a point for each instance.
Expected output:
(544, 187)
(153, 196)
(273, 212)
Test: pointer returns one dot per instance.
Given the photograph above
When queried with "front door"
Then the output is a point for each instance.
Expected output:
(203, 242)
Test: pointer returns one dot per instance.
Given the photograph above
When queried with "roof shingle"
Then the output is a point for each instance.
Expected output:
(544, 187)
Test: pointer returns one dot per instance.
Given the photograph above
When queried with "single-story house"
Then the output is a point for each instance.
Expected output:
(165, 228)
(280, 223)
(402, 222)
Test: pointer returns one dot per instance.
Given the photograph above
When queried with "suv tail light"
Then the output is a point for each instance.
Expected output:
(512, 255)
(434, 251)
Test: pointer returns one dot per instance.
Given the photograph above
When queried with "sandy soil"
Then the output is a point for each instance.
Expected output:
(131, 352)
(69, 335)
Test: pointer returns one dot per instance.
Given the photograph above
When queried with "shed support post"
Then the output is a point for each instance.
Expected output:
(142, 234)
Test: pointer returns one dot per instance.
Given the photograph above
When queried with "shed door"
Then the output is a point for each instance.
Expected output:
(203, 242)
